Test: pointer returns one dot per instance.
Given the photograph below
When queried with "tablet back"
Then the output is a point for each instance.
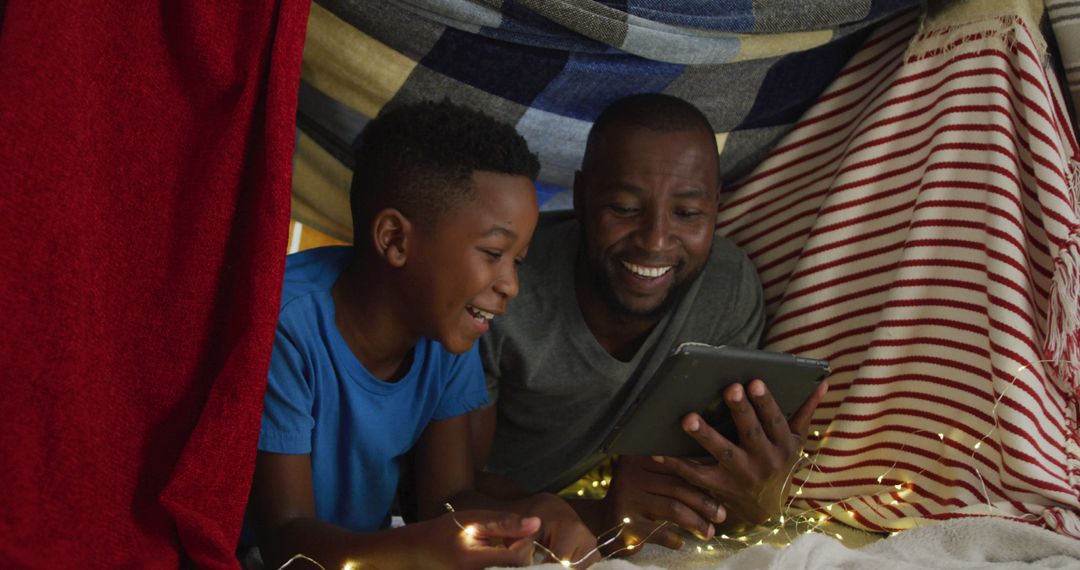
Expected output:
(692, 379)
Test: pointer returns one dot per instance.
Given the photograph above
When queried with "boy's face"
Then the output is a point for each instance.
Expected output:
(462, 271)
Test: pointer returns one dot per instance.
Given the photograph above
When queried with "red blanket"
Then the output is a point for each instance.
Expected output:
(145, 153)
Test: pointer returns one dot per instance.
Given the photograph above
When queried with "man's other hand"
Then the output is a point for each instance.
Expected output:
(748, 478)
(647, 492)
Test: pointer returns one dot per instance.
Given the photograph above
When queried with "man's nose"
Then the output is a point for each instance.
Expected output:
(654, 233)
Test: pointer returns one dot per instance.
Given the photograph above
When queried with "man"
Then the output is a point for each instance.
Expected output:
(604, 298)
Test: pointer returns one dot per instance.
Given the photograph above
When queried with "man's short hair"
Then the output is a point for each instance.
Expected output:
(654, 111)
(419, 158)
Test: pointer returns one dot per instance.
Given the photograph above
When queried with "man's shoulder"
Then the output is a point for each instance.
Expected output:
(726, 258)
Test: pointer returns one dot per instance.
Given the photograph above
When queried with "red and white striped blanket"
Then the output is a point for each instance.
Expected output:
(919, 229)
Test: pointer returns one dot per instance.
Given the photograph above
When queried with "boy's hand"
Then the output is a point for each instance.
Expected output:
(647, 492)
(489, 539)
(748, 478)
(562, 531)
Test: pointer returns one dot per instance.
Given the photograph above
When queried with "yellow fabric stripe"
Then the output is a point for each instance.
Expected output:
(772, 45)
(349, 65)
(320, 196)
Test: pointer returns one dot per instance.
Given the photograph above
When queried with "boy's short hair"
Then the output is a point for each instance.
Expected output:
(419, 158)
(654, 111)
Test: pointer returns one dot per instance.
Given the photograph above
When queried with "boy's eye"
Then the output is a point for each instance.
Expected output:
(494, 254)
(622, 210)
(687, 213)
(519, 260)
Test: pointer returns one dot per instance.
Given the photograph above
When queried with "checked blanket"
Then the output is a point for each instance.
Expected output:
(919, 229)
(549, 66)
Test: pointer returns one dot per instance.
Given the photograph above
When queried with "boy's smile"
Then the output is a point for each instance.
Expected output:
(464, 267)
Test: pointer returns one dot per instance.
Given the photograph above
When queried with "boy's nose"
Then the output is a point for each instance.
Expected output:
(507, 283)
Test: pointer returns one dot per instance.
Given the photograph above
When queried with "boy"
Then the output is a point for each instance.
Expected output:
(374, 357)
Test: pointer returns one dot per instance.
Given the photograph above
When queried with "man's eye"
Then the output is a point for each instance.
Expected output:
(623, 210)
(494, 254)
(686, 213)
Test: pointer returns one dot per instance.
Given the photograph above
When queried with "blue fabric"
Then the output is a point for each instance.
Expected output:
(320, 399)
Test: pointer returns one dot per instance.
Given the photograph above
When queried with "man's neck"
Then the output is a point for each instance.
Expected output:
(364, 314)
(619, 334)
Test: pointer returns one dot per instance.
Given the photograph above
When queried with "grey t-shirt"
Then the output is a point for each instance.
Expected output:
(557, 391)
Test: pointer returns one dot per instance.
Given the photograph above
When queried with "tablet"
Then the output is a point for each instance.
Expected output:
(692, 379)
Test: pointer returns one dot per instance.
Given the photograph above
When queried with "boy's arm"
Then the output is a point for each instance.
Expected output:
(446, 472)
(283, 511)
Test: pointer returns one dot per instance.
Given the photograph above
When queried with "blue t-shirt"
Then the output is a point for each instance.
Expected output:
(321, 400)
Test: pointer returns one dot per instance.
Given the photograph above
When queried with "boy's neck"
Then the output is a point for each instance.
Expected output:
(364, 315)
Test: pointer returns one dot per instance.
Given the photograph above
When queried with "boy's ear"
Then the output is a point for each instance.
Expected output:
(390, 234)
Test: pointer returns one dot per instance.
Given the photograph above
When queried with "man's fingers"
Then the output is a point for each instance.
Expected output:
(769, 414)
(666, 537)
(751, 434)
(721, 448)
(668, 508)
(800, 422)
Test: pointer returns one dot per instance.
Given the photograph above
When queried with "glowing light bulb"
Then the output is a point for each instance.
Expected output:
(470, 531)
(775, 530)
(725, 537)
(817, 433)
(626, 520)
(798, 491)
(603, 483)
(565, 563)
(710, 547)
(781, 519)
(977, 444)
(630, 546)
(880, 478)
(838, 537)
(595, 483)
(828, 507)
(349, 566)
(897, 486)
(699, 550)
(941, 436)
(581, 492)
(894, 502)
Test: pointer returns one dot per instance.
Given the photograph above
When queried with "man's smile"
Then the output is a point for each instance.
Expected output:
(647, 271)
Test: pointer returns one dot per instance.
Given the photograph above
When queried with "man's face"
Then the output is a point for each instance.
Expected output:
(463, 270)
(647, 202)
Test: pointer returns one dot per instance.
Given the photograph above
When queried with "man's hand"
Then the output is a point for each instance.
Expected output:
(489, 539)
(748, 478)
(647, 492)
(562, 531)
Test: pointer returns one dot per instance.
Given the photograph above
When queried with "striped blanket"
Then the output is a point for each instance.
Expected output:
(919, 228)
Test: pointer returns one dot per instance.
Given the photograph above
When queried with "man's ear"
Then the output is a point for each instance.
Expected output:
(579, 194)
(390, 231)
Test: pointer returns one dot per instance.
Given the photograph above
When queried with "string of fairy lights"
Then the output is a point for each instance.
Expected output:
(791, 521)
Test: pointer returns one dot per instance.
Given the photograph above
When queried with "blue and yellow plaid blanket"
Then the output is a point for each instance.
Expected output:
(549, 66)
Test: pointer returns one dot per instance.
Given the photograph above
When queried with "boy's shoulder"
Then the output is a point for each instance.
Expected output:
(313, 271)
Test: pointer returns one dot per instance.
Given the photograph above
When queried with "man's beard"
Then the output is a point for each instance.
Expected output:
(602, 281)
